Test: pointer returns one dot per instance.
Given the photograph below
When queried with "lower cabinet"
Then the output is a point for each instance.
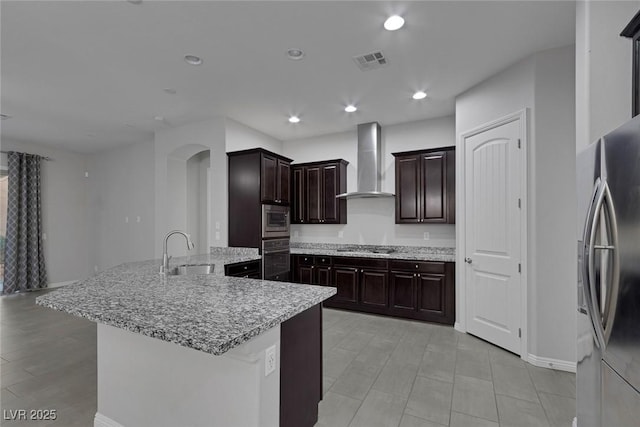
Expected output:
(422, 290)
(424, 295)
(248, 269)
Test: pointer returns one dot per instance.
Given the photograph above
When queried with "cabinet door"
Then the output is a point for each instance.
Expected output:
(305, 274)
(373, 286)
(346, 280)
(408, 189)
(284, 180)
(314, 186)
(403, 291)
(434, 187)
(451, 187)
(330, 188)
(432, 295)
(268, 180)
(299, 196)
(323, 276)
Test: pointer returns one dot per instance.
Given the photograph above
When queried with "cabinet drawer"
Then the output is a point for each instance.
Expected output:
(323, 260)
(382, 264)
(242, 268)
(418, 266)
(305, 259)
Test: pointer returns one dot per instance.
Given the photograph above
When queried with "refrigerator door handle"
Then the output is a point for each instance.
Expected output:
(588, 287)
(612, 290)
(602, 317)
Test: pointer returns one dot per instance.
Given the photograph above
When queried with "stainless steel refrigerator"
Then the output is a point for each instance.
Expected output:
(608, 344)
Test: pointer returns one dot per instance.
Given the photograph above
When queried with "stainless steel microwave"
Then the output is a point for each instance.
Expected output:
(275, 221)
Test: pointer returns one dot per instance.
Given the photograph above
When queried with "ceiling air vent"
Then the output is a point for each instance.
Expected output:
(370, 61)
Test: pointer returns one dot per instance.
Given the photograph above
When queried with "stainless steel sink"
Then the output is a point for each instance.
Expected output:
(183, 269)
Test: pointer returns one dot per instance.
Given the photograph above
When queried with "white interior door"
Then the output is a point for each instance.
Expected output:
(492, 227)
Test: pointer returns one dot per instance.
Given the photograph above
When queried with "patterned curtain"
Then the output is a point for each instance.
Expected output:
(24, 257)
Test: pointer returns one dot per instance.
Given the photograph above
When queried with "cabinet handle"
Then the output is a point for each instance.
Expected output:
(419, 275)
(417, 266)
(415, 275)
(312, 267)
(246, 266)
(329, 268)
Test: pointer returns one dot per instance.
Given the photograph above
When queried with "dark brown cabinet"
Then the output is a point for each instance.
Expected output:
(425, 186)
(256, 176)
(315, 187)
(275, 180)
(249, 269)
(422, 290)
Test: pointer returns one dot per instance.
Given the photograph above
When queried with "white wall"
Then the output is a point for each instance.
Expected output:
(121, 205)
(241, 137)
(183, 142)
(554, 214)
(545, 85)
(372, 221)
(603, 74)
(64, 215)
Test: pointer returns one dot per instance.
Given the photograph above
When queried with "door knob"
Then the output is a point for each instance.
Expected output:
(468, 260)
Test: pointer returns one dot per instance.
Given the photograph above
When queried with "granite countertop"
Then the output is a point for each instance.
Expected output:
(416, 253)
(211, 313)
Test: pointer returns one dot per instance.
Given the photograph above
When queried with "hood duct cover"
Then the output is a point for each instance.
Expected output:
(369, 163)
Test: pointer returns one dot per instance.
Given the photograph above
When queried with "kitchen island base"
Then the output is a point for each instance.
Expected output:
(143, 381)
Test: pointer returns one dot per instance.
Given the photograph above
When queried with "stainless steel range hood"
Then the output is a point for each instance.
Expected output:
(369, 164)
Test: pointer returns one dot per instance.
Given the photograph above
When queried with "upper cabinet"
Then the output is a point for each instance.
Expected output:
(256, 177)
(315, 187)
(425, 186)
(275, 179)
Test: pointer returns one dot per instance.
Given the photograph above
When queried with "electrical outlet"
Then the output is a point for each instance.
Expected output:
(426, 235)
(126, 219)
(217, 235)
(340, 234)
(44, 236)
(296, 233)
(137, 219)
(270, 360)
(217, 225)
(95, 268)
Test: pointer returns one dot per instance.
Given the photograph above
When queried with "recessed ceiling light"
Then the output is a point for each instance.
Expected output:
(295, 54)
(170, 90)
(135, 1)
(158, 118)
(294, 119)
(193, 60)
(419, 95)
(4, 117)
(350, 108)
(393, 23)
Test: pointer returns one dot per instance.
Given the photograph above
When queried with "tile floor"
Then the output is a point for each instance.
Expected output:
(378, 372)
(388, 372)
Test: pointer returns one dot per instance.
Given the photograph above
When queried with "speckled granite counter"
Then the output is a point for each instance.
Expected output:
(363, 251)
(211, 313)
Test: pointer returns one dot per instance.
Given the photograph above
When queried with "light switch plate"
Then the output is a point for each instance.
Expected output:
(426, 235)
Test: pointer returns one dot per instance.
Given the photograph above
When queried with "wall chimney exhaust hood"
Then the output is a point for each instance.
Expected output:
(369, 164)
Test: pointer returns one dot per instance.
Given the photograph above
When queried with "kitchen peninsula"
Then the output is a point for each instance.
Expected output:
(193, 349)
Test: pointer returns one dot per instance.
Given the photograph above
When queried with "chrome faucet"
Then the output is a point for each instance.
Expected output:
(164, 268)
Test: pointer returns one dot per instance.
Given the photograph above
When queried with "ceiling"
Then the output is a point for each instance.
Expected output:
(86, 76)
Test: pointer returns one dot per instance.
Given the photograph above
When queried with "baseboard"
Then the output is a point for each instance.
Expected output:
(546, 362)
(58, 284)
(458, 327)
(103, 421)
